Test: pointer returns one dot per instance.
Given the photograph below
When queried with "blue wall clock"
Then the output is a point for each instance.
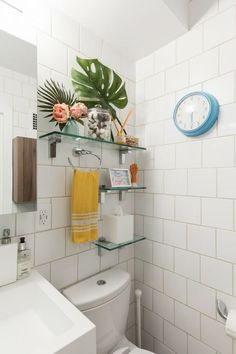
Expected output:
(196, 113)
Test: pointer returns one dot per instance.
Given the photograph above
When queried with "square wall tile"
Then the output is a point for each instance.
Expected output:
(226, 245)
(49, 246)
(145, 67)
(165, 57)
(187, 264)
(153, 276)
(65, 29)
(163, 256)
(144, 204)
(155, 86)
(165, 157)
(61, 212)
(204, 66)
(161, 348)
(138, 225)
(217, 213)
(202, 298)
(139, 92)
(138, 270)
(8, 222)
(190, 44)
(196, 347)
(153, 228)
(175, 286)
(175, 339)
(226, 182)
(226, 120)
(90, 45)
(146, 299)
(175, 234)
(210, 270)
(188, 155)
(228, 56)
(213, 334)
(171, 134)
(164, 106)
(55, 181)
(88, 263)
(222, 88)
(176, 182)
(187, 319)
(218, 152)
(219, 29)
(163, 306)
(188, 209)
(164, 206)
(147, 341)
(202, 182)
(177, 77)
(143, 250)
(154, 134)
(201, 239)
(52, 53)
(25, 223)
(64, 272)
(74, 248)
(153, 324)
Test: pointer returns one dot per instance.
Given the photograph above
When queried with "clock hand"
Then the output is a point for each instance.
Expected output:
(191, 119)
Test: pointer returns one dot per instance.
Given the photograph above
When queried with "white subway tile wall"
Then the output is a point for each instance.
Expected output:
(59, 40)
(188, 211)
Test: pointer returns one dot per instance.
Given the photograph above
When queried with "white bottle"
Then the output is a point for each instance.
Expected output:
(23, 260)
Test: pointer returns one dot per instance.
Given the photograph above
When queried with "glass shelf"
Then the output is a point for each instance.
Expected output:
(111, 189)
(56, 137)
(109, 246)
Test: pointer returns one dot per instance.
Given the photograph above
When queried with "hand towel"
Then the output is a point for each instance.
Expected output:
(84, 223)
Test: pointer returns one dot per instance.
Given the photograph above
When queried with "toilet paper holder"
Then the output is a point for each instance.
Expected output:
(222, 309)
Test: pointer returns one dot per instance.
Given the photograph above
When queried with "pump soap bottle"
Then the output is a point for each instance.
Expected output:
(23, 260)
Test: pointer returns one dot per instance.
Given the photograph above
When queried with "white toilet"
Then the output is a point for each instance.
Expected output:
(104, 299)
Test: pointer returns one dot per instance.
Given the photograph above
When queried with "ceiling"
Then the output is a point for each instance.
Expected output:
(134, 27)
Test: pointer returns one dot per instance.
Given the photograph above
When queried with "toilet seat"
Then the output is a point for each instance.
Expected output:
(126, 350)
(140, 351)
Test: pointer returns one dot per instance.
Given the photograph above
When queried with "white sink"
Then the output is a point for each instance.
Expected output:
(35, 318)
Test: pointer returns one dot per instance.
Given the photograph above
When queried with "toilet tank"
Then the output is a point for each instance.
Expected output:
(104, 299)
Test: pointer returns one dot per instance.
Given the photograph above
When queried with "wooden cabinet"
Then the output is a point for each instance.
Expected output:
(24, 170)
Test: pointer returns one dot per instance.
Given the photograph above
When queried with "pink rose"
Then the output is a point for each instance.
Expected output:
(61, 112)
(78, 110)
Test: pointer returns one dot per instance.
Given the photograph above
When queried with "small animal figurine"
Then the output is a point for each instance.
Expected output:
(133, 172)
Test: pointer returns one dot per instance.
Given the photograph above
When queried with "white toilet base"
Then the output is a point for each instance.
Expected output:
(126, 347)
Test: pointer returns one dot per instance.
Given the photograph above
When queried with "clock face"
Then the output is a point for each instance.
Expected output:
(196, 113)
(192, 112)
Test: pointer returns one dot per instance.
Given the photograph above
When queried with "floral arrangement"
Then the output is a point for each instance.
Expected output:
(94, 84)
(60, 105)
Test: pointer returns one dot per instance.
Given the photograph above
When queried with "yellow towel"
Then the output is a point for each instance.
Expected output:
(84, 208)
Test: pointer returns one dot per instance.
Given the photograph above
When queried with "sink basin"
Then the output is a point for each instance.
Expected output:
(35, 318)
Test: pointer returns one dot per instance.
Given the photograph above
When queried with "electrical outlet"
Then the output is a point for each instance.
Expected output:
(43, 217)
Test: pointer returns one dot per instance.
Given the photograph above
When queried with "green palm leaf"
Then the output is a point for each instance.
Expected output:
(99, 85)
(52, 93)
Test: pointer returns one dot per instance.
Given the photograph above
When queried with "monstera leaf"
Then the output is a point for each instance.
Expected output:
(99, 85)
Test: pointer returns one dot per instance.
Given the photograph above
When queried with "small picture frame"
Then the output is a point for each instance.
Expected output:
(119, 177)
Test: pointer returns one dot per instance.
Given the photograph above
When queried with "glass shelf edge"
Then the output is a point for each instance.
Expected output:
(117, 189)
(114, 246)
(73, 136)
